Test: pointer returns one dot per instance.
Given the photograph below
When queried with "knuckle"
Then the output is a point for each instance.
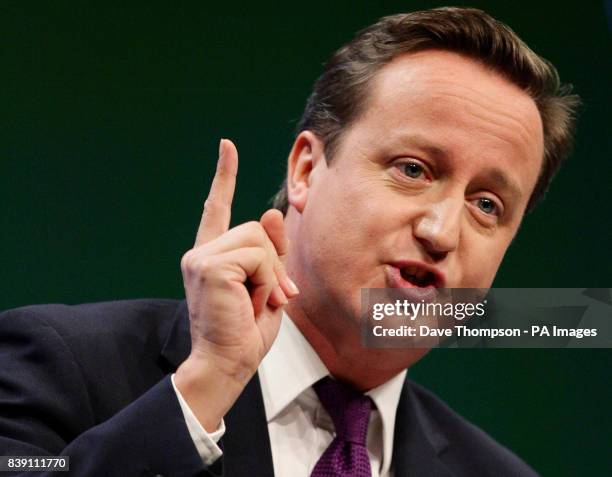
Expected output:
(251, 225)
(260, 255)
(211, 205)
(268, 264)
(279, 266)
(256, 231)
(196, 265)
(273, 277)
(186, 261)
(206, 267)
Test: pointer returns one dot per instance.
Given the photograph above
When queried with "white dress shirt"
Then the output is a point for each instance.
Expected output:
(299, 427)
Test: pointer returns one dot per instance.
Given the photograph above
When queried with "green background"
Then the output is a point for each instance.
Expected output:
(110, 119)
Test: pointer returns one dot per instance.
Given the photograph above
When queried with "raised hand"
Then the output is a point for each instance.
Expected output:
(235, 285)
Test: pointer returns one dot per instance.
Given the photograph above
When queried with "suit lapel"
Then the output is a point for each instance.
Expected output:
(246, 444)
(418, 441)
(177, 344)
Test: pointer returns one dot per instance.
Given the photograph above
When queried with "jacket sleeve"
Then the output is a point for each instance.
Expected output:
(45, 410)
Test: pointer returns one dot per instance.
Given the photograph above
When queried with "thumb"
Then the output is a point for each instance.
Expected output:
(273, 223)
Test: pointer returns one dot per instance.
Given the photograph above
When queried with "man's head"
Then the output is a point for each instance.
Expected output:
(341, 93)
(425, 178)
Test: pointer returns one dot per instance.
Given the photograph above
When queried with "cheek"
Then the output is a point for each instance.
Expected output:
(345, 227)
(480, 262)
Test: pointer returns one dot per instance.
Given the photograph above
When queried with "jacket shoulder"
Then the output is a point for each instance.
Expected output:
(95, 321)
(469, 450)
(115, 346)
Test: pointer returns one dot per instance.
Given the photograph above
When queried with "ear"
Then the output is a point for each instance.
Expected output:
(306, 156)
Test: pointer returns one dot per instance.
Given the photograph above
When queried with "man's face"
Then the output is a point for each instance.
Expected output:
(427, 187)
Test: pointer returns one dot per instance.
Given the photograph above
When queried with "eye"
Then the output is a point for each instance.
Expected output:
(487, 206)
(412, 169)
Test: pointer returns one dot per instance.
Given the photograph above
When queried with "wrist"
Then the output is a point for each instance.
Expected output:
(209, 388)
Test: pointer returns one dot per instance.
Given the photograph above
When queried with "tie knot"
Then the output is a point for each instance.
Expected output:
(348, 408)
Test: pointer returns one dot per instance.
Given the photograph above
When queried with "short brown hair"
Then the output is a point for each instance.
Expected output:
(339, 95)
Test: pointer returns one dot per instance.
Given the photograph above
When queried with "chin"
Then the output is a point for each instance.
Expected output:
(388, 360)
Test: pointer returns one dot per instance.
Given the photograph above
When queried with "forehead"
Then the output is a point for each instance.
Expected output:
(455, 100)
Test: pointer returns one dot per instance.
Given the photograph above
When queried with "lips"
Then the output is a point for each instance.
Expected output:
(418, 276)
(414, 274)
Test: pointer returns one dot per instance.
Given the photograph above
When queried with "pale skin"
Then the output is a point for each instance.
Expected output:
(232, 327)
(438, 169)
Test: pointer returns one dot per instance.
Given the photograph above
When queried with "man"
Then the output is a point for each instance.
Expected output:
(422, 145)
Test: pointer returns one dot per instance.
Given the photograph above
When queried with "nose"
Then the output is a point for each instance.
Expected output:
(438, 227)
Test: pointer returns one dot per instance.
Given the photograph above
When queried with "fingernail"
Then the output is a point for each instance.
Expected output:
(278, 296)
(220, 146)
(292, 287)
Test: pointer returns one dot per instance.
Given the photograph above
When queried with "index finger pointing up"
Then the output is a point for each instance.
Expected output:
(218, 206)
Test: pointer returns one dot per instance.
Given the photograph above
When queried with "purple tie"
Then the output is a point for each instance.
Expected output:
(350, 412)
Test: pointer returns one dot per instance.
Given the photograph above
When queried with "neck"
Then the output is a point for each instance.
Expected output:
(346, 358)
(337, 339)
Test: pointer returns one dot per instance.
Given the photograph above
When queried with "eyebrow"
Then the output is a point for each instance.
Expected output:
(419, 141)
(496, 175)
(501, 180)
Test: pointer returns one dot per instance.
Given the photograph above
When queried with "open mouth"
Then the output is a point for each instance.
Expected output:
(418, 276)
(414, 274)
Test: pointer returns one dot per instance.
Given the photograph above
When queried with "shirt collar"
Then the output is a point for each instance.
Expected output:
(292, 366)
(386, 397)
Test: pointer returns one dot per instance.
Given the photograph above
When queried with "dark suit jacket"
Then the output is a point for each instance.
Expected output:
(93, 382)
